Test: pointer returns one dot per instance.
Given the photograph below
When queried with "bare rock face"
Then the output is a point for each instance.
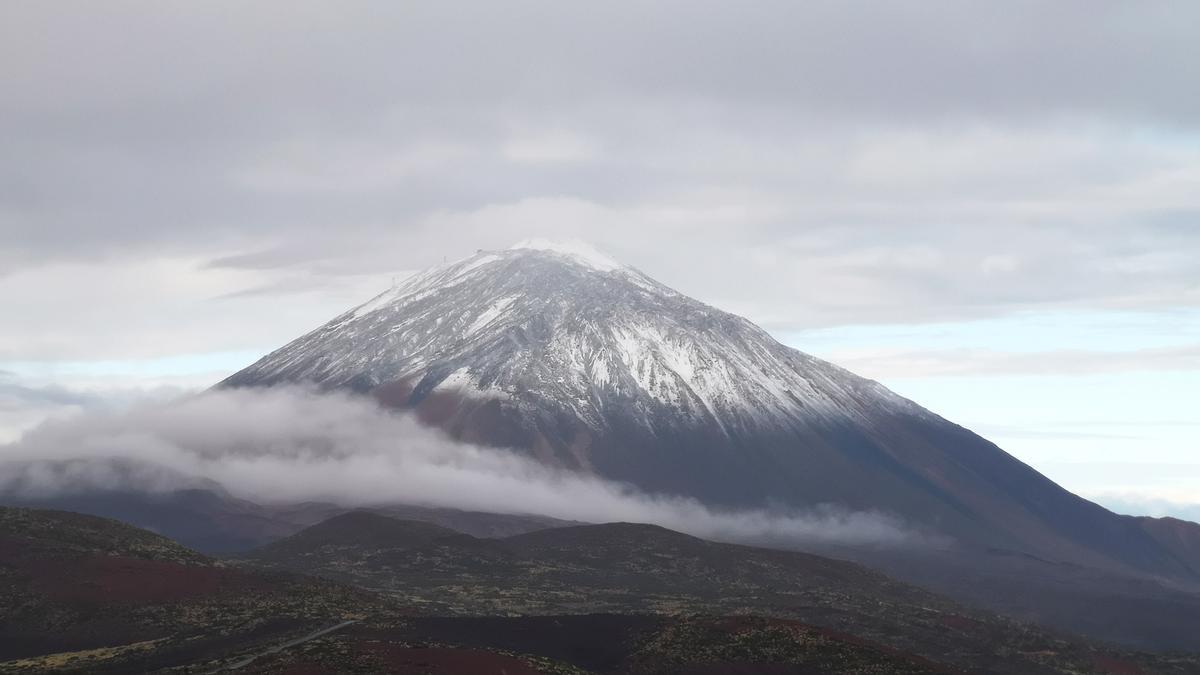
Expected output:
(591, 365)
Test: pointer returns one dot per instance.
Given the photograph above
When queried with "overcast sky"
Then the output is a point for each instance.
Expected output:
(994, 208)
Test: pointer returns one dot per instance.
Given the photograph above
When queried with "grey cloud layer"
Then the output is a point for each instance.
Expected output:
(296, 445)
(24, 402)
(872, 162)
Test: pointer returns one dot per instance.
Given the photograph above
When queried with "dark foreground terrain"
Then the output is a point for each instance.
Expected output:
(364, 593)
(79, 592)
(596, 643)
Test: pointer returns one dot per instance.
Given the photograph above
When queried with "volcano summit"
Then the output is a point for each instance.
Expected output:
(558, 351)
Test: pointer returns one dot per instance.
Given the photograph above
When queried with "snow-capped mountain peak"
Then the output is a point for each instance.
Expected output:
(577, 250)
(554, 350)
(560, 325)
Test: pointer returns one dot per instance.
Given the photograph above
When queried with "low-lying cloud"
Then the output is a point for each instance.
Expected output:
(288, 445)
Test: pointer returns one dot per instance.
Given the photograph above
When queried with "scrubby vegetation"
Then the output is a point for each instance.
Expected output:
(83, 594)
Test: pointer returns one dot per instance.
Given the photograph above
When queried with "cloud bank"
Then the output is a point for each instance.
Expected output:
(288, 445)
(872, 162)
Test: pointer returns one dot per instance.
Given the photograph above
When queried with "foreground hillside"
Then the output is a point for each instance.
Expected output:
(637, 570)
(1140, 612)
(211, 521)
(90, 594)
(597, 643)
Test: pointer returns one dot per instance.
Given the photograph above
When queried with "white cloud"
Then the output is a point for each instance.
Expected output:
(355, 167)
(297, 445)
(26, 402)
(154, 307)
(994, 265)
(380, 137)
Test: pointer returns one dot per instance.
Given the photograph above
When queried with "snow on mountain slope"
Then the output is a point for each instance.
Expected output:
(567, 326)
(579, 252)
(558, 351)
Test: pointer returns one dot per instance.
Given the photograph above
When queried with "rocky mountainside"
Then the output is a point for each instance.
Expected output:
(552, 329)
(214, 522)
(349, 531)
(92, 595)
(647, 573)
(594, 366)
(80, 594)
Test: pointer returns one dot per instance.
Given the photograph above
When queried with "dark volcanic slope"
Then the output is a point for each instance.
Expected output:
(133, 601)
(205, 520)
(213, 522)
(349, 531)
(89, 595)
(628, 645)
(630, 568)
(33, 534)
(592, 365)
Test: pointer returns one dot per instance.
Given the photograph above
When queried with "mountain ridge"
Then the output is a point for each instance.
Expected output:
(593, 366)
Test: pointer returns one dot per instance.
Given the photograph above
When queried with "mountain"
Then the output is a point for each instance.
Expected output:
(591, 365)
